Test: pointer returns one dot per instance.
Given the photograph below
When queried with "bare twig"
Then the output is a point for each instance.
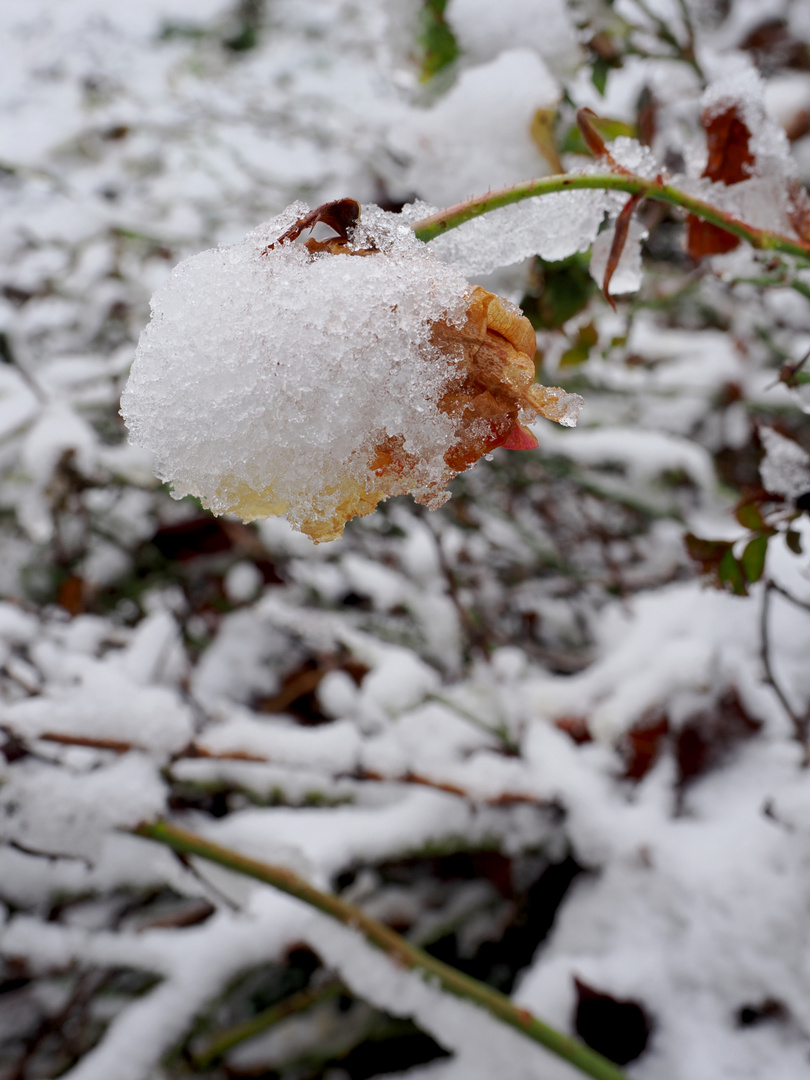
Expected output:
(117, 746)
(120, 746)
(803, 604)
(506, 798)
(800, 724)
(36, 853)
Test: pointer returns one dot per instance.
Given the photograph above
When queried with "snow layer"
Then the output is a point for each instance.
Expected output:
(552, 226)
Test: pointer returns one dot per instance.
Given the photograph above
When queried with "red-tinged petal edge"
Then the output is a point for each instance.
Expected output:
(520, 438)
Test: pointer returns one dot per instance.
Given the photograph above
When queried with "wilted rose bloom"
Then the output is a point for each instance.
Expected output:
(315, 379)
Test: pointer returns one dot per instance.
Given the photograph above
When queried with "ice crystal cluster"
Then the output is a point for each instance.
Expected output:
(315, 379)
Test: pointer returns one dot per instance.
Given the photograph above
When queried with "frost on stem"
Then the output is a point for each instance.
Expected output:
(316, 378)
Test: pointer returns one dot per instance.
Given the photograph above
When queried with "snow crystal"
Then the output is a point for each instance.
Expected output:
(551, 226)
(385, 587)
(266, 378)
(318, 379)
(337, 694)
(785, 95)
(155, 653)
(785, 469)
(243, 661)
(693, 903)
(195, 965)
(16, 625)
(710, 861)
(632, 155)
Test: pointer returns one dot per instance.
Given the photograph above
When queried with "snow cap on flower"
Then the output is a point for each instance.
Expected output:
(316, 379)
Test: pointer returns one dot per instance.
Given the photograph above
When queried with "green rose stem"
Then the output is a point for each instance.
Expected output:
(401, 952)
(431, 227)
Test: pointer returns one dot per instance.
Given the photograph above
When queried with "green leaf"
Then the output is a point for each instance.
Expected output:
(749, 517)
(730, 572)
(573, 142)
(588, 334)
(561, 290)
(709, 553)
(753, 557)
(438, 44)
(247, 38)
(574, 356)
(544, 136)
(579, 352)
(599, 74)
(794, 541)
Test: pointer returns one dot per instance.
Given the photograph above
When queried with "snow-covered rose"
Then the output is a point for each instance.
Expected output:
(316, 378)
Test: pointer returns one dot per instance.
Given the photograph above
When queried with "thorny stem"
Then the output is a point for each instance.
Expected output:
(400, 951)
(799, 723)
(436, 224)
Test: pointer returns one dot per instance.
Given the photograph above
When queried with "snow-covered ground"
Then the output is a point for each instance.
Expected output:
(522, 729)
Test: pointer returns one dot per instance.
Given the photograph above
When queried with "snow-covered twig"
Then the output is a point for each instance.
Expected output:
(400, 951)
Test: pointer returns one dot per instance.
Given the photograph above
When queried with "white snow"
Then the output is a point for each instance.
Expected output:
(477, 136)
(785, 469)
(484, 30)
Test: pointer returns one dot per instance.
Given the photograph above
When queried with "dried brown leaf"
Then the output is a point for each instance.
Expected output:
(730, 162)
(620, 231)
(340, 215)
